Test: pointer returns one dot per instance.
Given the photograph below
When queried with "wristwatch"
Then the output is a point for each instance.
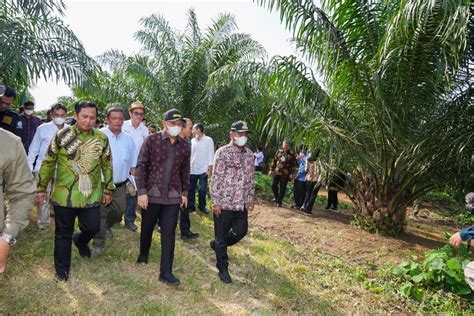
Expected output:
(9, 239)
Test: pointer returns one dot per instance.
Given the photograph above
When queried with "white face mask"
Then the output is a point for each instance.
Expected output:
(29, 112)
(241, 141)
(59, 120)
(174, 131)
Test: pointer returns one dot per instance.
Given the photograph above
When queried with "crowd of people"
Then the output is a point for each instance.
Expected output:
(307, 173)
(100, 175)
(103, 176)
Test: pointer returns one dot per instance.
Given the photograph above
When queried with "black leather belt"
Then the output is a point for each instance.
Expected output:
(118, 185)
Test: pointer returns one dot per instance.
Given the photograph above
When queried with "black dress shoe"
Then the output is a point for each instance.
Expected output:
(169, 279)
(85, 251)
(142, 259)
(189, 236)
(191, 209)
(60, 277)
(204, 211)
(225, 276)
(213, 245)
(131, 226)
(306, 212)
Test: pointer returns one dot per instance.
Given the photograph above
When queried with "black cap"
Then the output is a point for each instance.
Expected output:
(173, 115)
(240, 126)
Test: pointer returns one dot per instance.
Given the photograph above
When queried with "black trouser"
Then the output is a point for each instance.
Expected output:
(299, 192)
(332, 199)
(168, 217)
(312, 190)
(184, 221)
(229, 228)
(202, 190)
(279, 184)
(65, 217)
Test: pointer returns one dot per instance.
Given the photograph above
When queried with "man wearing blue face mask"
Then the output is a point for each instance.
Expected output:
(162, 186)
(233, 195)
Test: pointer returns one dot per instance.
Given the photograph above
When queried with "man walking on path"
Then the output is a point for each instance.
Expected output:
(202, 159)
(30, 124)
(313, 180)
(162, 186)
(138, 132)
(16, 185)
(232, 194)
(124, 154)
(43, 136)
(282, 170)
(80, 156)
(299, 185)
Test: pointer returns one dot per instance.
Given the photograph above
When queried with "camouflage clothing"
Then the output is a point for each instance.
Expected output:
(79, 161)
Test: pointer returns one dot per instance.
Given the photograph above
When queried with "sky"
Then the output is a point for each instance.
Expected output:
(106, 24)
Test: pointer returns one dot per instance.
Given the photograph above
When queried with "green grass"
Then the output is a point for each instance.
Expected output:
(271, 276)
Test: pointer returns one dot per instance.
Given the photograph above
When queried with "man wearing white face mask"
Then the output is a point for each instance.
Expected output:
(30, 123)
(39, 146)
(162, 179)
(233, 195)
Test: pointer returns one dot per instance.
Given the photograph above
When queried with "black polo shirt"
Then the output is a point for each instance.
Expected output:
(11, 122)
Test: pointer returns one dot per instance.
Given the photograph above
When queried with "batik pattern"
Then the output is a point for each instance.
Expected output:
(233, 178)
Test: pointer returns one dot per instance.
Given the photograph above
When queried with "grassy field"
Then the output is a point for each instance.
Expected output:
(287, 264)
(113, 283)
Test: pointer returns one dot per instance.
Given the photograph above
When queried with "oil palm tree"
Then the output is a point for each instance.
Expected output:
(176, 69)
(34, 43)
(396, 105)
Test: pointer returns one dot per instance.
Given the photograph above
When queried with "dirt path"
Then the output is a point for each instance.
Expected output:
(331, 232)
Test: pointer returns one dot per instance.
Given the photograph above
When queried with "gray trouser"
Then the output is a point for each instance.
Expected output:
(111, 214)
(43, 211)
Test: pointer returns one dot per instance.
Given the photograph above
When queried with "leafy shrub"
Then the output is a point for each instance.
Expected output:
(438, 197)
(443, 267)
(465, 219)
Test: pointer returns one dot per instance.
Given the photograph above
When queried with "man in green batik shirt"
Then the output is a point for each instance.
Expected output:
(79, 155)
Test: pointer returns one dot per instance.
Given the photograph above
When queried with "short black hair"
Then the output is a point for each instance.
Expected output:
(9, 92)
(115, 109)
(28, 103)
(55, 107)
(152, 126)
(260, 148)
(199, 126)
(79, 105)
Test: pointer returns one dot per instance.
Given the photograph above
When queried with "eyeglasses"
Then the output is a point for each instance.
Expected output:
(138, 113)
